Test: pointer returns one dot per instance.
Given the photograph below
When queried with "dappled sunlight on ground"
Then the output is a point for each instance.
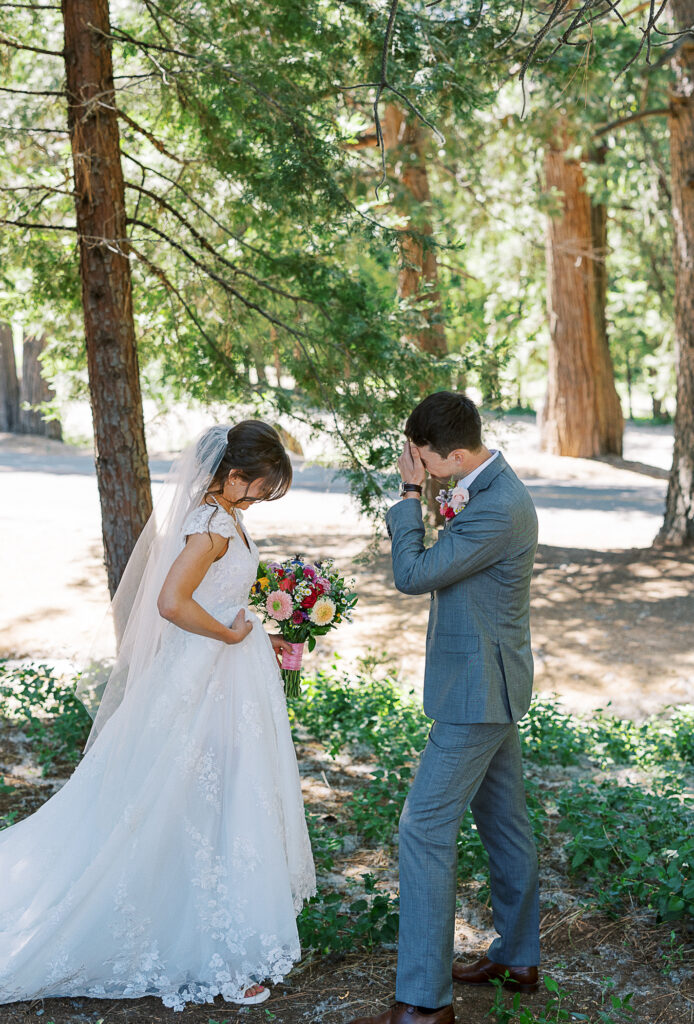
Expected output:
(607, 624)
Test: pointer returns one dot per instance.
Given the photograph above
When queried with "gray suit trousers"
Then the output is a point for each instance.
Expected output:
(479, 765)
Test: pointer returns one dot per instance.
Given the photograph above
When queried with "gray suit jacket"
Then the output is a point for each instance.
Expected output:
(479, 665)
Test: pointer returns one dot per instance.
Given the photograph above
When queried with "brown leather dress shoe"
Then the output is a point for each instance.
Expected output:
(401, 1013)
(520, 979)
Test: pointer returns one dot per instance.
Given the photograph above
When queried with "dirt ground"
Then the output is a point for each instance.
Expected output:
(583, 951)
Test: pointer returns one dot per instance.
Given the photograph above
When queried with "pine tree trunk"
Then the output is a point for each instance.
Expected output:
(418, 277)
(582, 414)
(121, 454)
(9, 384)
(34, 391)
(678, 527)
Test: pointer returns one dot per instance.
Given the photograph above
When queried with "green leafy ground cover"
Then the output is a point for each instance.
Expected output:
(620, 818)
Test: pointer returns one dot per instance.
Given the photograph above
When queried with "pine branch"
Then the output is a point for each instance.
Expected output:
(301, 337)
(385, 84)
(48, 189)
(207, 245)
(40, 131)
(168, 284)
(191, 199)
(655, 112)
(33, 92)
(157, 143)
(41, 227)
(6, 41)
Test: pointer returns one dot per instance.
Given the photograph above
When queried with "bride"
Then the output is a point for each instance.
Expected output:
(175, 859)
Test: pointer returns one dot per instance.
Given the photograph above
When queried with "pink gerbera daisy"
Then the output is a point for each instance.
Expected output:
(278, 605)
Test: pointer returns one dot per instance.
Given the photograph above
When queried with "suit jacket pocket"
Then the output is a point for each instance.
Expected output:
(456, 643)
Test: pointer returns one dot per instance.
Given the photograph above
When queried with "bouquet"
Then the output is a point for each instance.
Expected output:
(305, 600)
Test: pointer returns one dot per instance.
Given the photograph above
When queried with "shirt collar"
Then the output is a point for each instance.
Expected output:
(467, 480)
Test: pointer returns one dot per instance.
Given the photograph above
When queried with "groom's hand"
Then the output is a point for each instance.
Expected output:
(411, 466)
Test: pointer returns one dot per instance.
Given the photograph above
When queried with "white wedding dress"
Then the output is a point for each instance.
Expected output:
(175, 859)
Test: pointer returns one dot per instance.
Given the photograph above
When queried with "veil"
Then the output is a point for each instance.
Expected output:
(134, 626)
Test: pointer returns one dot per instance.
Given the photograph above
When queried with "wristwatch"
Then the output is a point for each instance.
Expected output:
(404, 488)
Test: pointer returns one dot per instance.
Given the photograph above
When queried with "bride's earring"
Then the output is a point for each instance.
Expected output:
(230, 498)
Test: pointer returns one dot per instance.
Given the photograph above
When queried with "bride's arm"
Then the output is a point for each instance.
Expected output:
(176, 602)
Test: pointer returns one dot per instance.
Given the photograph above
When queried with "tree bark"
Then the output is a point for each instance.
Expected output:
(34, 391)
(418, 276)
(678, 526)
(9, 384)
(121, 454)
(582, 414)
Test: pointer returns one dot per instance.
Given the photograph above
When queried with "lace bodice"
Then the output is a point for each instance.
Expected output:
(228, 581)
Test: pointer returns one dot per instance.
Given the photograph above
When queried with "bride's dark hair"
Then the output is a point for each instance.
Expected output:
(255, 451)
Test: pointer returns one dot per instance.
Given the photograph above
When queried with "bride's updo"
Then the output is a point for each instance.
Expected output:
(254, 451)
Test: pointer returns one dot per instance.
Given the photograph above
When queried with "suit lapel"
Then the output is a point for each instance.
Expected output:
(480, 483)
(488, 475)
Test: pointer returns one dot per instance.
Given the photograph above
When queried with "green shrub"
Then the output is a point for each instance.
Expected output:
(636, 845)
(551, 736)
(48, 711)
(331, 923)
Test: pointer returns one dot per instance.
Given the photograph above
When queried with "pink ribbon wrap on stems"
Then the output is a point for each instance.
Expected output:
(291, 660)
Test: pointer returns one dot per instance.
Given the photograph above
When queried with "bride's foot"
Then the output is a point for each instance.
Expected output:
(254, 995)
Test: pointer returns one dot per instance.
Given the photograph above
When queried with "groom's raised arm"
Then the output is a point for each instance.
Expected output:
(467, 546)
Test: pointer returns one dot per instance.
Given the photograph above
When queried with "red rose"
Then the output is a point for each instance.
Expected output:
(288, 583)
(310, 600)
(448, 512)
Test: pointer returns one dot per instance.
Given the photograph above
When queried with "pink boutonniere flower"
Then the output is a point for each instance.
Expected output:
(453, 500)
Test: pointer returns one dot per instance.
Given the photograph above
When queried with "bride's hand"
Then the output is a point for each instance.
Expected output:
(279, 646)
(240, 628)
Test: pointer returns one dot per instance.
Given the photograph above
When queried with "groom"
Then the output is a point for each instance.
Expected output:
(477, 685)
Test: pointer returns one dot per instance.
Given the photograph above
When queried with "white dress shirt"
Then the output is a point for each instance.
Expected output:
(467, 480)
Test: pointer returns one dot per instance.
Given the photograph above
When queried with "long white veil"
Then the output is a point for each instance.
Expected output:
(134, 625)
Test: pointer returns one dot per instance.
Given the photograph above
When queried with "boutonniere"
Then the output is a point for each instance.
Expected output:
(453, 500)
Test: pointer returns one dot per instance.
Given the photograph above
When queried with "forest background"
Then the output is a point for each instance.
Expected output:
(319, 212)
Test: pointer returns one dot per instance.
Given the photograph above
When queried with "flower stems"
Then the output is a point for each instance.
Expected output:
(292, 681)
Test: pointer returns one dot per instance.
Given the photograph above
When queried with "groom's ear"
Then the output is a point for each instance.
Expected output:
(459, 455)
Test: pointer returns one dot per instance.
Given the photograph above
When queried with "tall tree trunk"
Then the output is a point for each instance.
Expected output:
(678, 527)
(418, 276)
(9, 384)
(34, 391)
(121, 454)
(582, 414)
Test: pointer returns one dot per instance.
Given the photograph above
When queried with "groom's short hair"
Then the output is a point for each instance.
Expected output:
(445, 421)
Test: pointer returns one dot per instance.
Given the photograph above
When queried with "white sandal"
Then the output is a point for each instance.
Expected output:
(260, 997)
